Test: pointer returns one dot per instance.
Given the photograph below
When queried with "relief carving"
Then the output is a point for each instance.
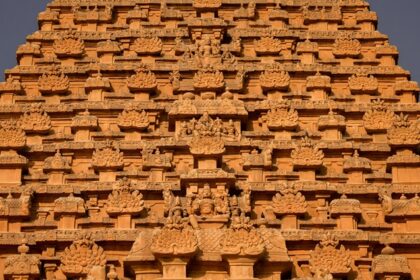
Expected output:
(345, 46)
(268, 45)
(22, 266)
(11, 135)
(147, 46)
(274, 78)
(108, 158)
(53, 83)
(124, 200)
(131, 118)
(306, 154)
(69, 46)
(81, 257)
(403, 132)
(282, 117)
(35, 120)
(363, 83)
(208, 80)
(289, 201)
(379, 117)
(143, 80)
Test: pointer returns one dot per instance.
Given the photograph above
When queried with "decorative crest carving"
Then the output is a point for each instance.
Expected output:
(326, 257)
(208, 80)
(84, 120)
(108, 157)
(208, 202)
(53, 83)
(379, 117)
(345, 46)
(207, 4)
(268, 45)
(282, 117)
(11, 135)
(131, 118)
(57, 163)
(274, 78)
(306, 154)
(124, 200)
(35, 119)
(403, 132)
(177, 237)
(241, 239)
(81, 256)
(147, 46)
(69, 46)
(289, 201)
(143, 80)
(361, 82)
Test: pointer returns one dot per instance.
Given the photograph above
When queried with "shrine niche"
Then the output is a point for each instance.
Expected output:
(209, 139)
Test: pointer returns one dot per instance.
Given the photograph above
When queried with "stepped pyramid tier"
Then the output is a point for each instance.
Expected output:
(209, 139)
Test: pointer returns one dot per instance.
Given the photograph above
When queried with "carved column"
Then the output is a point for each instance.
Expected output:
(308, 51)
(407, 90)
(157, 164)
(332, 126)
(356, 167)
(318, 86)
(56, 167)
(96, 87)
(347, 211)
(67, 209)
(255, 163)
(82, 125)
(9, 89)
(107, 50)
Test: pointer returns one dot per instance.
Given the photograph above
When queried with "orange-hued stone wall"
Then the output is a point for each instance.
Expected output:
(209, 139)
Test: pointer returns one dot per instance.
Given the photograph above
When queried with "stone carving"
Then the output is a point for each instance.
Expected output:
(268, 45)
(282, 117)
(318, 81)
(22, 266)
(143, 80)
(207, 4)
(69, 205)
(403, 132)
(389, 263)
(108, 157)
(306, 154)
(206, 102)
(53, 83)
(11, 85)
(206, 135)
(208, 203)
(11, 135)
(147, 46)
(81, 256)
(124, 200)
(326, 257)
(289, 201)
(35, 120)
(379, 117)
(177, 237)
(68, 46)
(363, 83)
(345, 46)
(274, 78)
(57, 163)
(131, 118)
(207, 80)
(241, 239)
(84, 120)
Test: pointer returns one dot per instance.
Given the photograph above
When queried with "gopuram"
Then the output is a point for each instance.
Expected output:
(209, 140)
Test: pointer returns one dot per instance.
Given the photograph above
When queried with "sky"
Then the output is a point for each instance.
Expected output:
(397, 19)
